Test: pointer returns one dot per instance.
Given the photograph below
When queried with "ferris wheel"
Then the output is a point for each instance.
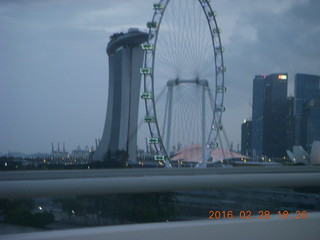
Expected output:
(183, 57)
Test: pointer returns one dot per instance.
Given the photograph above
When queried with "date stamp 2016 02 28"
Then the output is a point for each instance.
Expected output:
(256, 215)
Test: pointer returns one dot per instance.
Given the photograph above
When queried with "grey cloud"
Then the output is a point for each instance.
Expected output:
(54, 66)
(278, 41)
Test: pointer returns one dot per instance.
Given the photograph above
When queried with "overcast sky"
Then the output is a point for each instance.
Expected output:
(54, 69)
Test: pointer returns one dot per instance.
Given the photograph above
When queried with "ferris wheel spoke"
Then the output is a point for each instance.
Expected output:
(184, 57)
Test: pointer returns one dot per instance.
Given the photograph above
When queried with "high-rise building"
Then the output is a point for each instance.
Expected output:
(125, 59)
(269, 115)
(307, 87)
(290, 124)
(310, 124)
(275, 115)
(246, 138)
(258, 102)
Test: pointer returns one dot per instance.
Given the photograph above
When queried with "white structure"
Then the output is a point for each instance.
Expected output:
(315, 153)
(299, 155)
(125, 59)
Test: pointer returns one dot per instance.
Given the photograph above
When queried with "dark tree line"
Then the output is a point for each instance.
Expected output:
(115, 159)
(121, 208)
(21, 212)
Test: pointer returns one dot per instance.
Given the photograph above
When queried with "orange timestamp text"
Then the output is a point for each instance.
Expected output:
(256, 215)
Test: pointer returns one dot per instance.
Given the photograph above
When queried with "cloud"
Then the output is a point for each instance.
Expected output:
(53, 57)
(282, 36)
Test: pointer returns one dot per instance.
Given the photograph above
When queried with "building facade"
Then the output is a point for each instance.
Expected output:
(269, 115)
(258, 103)
(307, 87)
(125, 59)
(290, 124)
(275, 115)
(246, 138)
(310, 124)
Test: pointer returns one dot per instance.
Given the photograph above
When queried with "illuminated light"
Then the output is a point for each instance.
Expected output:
(149, 119)
(219, 49)
(212, 145)
(44, 160)
(153, 140)
(212, 14)
(245, 160)
(73, 211)
(40, 208)
(145, 71)
(147, 46)
(159, 158)
(146, 95)
(158, 6)
(245, 120)
(220, 109)
(6, 164)
(282, 76)
(152, 24)
(221, 89)
(216, 30)
(217, 128)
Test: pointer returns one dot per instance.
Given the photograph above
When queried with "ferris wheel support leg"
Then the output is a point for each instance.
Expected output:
(165, 116)
(203, 127)
(170, 94)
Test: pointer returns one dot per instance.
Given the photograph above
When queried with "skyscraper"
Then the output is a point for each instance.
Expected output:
(307, 87)
(258, 102)
(246, 138)
(275, 115)
(290, 124)
(269, 115)
(125, 59)
(310, 124)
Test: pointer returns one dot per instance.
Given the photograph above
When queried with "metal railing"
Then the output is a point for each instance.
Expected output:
(83, 182)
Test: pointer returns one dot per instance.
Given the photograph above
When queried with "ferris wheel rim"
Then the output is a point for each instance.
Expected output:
(159, 10)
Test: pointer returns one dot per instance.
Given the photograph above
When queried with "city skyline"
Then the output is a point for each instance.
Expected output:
(54, 66)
